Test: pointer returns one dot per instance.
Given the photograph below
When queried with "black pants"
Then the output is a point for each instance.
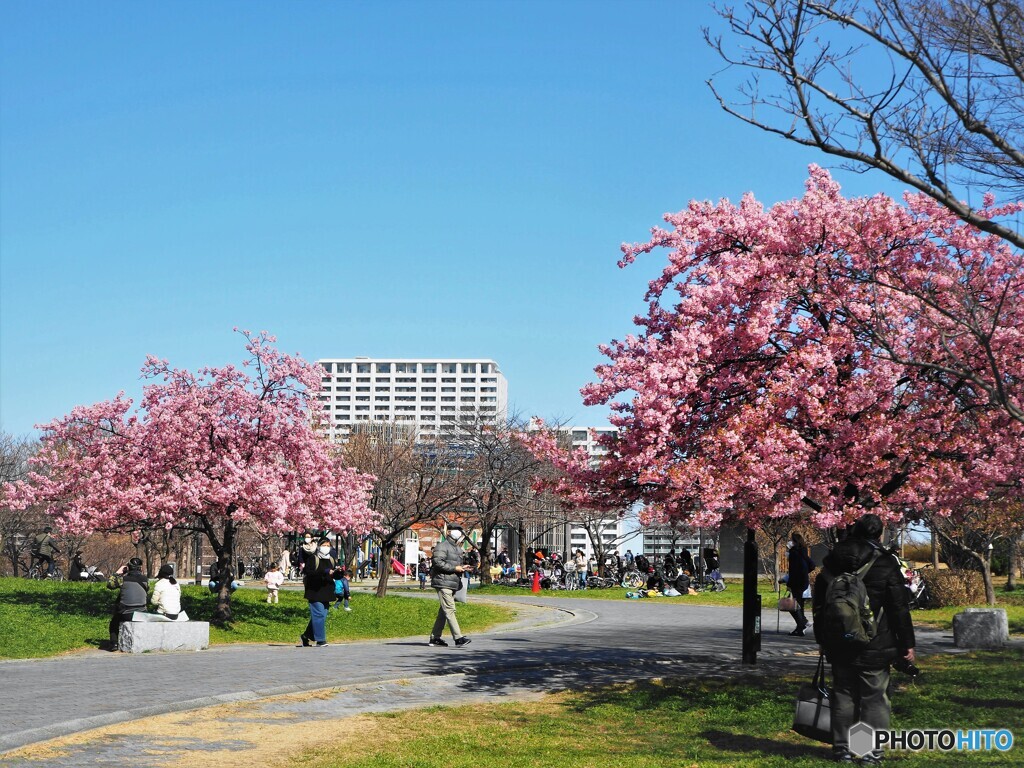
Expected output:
(116, 620)
(798, 614)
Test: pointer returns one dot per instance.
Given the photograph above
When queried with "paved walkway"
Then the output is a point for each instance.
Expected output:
(560, 644)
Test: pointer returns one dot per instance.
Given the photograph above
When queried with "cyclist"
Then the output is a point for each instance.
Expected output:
(44, 549)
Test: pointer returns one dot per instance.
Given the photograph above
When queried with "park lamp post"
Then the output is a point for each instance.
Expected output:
(751, 601)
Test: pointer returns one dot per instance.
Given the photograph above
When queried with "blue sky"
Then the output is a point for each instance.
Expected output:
(386, 179)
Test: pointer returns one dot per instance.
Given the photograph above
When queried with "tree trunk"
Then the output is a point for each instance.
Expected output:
(935, 549)
(986, 576)
(600, 551)
(226, 571)
(387, 547)
(522, 548)
(224, 548)
(1014, 562)
(352, 551)
(775, 561)
(484, 551)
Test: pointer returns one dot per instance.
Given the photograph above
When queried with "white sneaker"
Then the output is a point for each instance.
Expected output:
(348, 609)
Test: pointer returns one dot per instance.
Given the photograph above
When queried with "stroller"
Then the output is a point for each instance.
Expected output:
(917, 590)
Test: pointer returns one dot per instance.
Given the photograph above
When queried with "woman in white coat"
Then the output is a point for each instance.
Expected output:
(167, 593)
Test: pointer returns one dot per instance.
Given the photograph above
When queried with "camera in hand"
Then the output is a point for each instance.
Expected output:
(906, 667)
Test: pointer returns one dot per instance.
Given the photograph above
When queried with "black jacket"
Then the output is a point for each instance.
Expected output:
(318, 578)
(134, 594)
(800, 567)
(886, 589)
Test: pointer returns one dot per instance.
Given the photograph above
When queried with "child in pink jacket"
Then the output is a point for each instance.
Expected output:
(274, 579)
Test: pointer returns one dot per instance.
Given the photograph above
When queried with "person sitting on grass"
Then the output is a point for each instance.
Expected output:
(216, 575)
(655, 581)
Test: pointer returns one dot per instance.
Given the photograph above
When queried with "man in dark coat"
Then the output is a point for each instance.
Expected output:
(446, 571)
(861, 677)
(133, 596)
(318, 574)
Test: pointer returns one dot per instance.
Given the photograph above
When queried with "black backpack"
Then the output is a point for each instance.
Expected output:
(847, 621)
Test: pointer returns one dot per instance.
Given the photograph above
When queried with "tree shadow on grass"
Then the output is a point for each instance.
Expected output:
(983, 703)
(79, 600)
(252, 610)
(751, 746)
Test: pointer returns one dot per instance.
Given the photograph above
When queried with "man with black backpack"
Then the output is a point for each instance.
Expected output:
(862, 623)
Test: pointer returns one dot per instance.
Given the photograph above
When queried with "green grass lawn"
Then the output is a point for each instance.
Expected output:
(1012, 602)
(742, 723)
(39, 618)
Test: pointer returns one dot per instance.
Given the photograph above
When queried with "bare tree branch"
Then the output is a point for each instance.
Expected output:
(930, 92)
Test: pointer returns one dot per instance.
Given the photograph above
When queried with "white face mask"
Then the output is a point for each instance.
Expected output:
(455, 534)
(789, 545)
(308, 540)
(325, 550)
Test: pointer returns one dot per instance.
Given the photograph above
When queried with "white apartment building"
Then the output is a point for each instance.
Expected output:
(426, 395)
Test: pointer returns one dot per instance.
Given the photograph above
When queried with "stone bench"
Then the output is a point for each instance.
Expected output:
(153, 632)
(981, 628)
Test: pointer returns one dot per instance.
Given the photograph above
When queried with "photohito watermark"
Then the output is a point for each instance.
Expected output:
(865, 739)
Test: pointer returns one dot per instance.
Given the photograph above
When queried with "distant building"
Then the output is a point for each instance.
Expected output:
(427, 396)
(567, 537)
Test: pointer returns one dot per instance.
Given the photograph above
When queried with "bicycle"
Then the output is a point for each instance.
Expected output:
(712, 582)
(633, 579)
(39, 573)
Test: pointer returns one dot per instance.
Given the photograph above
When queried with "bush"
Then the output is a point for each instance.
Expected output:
(951, 588)
(918, 551)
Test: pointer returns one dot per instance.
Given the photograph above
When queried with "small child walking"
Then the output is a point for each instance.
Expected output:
(341, 590)
(274, 579)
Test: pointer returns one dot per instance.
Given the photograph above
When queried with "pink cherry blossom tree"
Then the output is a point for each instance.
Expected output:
(831, 353)
(206, 451)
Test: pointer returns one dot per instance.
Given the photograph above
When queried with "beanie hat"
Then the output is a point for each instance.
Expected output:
(135, 562)
(166, 571)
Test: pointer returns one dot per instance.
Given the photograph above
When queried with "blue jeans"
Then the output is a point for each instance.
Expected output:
(317, 627)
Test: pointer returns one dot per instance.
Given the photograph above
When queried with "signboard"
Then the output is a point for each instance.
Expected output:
(412, 552)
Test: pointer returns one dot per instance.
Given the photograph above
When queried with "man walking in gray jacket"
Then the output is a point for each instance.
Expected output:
(446, 571)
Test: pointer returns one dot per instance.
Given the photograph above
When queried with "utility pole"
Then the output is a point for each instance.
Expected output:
(751, 602)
